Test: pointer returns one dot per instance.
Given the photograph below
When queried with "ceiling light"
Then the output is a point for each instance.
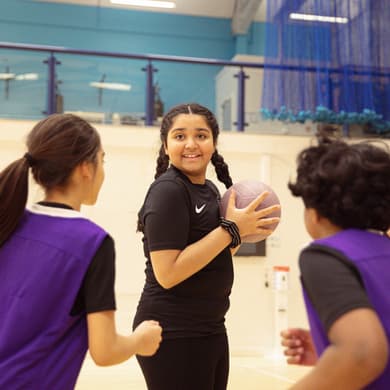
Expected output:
(22, 76)
(114, 86)
(146, 3)
(318, 18)
(27, 76)
(7, 76)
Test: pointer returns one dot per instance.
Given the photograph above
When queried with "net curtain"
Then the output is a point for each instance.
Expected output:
(328, 72)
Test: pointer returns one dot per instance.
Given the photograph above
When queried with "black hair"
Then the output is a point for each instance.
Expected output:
(349, 184)
(221, 168)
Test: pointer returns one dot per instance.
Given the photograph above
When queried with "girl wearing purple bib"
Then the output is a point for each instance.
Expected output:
(57, 268)
(345, 271)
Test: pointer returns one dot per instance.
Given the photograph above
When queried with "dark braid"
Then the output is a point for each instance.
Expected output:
(162, 166)
(217, 160)
(162, 162)
(167, 122)
(222, 169)
(140, 224)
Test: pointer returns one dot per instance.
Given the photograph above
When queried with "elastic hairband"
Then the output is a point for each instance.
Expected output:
(30, 159)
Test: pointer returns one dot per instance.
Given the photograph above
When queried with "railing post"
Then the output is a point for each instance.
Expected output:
(241, 76)
(51, 84)
(149, 104)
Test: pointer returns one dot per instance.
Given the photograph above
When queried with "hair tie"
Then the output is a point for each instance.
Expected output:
(31, 161)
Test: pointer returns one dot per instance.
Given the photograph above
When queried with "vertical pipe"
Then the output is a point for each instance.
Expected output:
(51, 84)
(149, 94)
(241, 76)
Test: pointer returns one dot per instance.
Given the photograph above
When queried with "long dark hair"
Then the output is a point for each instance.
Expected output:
(349, 184)
(221, 168)
(55, 146)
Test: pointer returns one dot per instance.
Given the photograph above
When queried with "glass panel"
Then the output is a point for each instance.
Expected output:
(102, 90)
(184, 83)
(23, 83)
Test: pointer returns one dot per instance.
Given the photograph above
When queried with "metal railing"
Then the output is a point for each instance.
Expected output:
(149, 69)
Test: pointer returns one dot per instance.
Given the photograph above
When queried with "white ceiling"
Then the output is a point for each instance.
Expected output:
(212, 8)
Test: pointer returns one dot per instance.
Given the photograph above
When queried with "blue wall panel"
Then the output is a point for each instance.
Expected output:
(115, 30)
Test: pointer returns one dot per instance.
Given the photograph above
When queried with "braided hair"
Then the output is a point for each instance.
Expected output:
(221, 168)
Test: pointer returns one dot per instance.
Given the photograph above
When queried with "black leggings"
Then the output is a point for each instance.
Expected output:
(200, 363)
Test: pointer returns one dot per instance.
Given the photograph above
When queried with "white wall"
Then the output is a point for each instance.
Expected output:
(226, 87)
(130, 162)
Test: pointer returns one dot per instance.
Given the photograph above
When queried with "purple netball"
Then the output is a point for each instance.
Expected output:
(246, 191)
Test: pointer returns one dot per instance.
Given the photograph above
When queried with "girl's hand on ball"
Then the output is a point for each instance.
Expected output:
(249, 220)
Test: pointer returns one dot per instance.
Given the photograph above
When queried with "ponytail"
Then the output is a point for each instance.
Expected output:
(13, 196)
(56, 145)
(222, 169)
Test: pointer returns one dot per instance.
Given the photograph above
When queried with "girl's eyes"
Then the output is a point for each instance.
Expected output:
(181, 137)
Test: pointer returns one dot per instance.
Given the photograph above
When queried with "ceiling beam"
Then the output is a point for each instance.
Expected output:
(243, 15)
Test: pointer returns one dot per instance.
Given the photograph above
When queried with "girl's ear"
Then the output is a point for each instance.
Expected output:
(166, 149)
(85, 169)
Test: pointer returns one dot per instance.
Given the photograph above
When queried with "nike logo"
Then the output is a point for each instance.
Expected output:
(198, 210)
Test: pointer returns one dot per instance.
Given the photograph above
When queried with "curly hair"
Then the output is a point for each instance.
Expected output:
(349, 184)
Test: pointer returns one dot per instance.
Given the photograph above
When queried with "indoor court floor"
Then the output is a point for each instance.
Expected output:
(246, 372)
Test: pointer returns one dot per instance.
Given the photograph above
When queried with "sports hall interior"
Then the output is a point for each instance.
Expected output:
(265, 150)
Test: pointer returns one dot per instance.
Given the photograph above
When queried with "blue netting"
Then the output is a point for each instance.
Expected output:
(328, 72)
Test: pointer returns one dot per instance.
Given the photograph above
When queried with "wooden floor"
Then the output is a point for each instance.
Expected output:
(246, 373)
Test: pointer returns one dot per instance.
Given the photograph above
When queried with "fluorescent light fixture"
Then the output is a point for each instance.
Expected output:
(114, 86)
(318, 18)
(27, 76)
(7, 76)
(22, 76)
(146, 3)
